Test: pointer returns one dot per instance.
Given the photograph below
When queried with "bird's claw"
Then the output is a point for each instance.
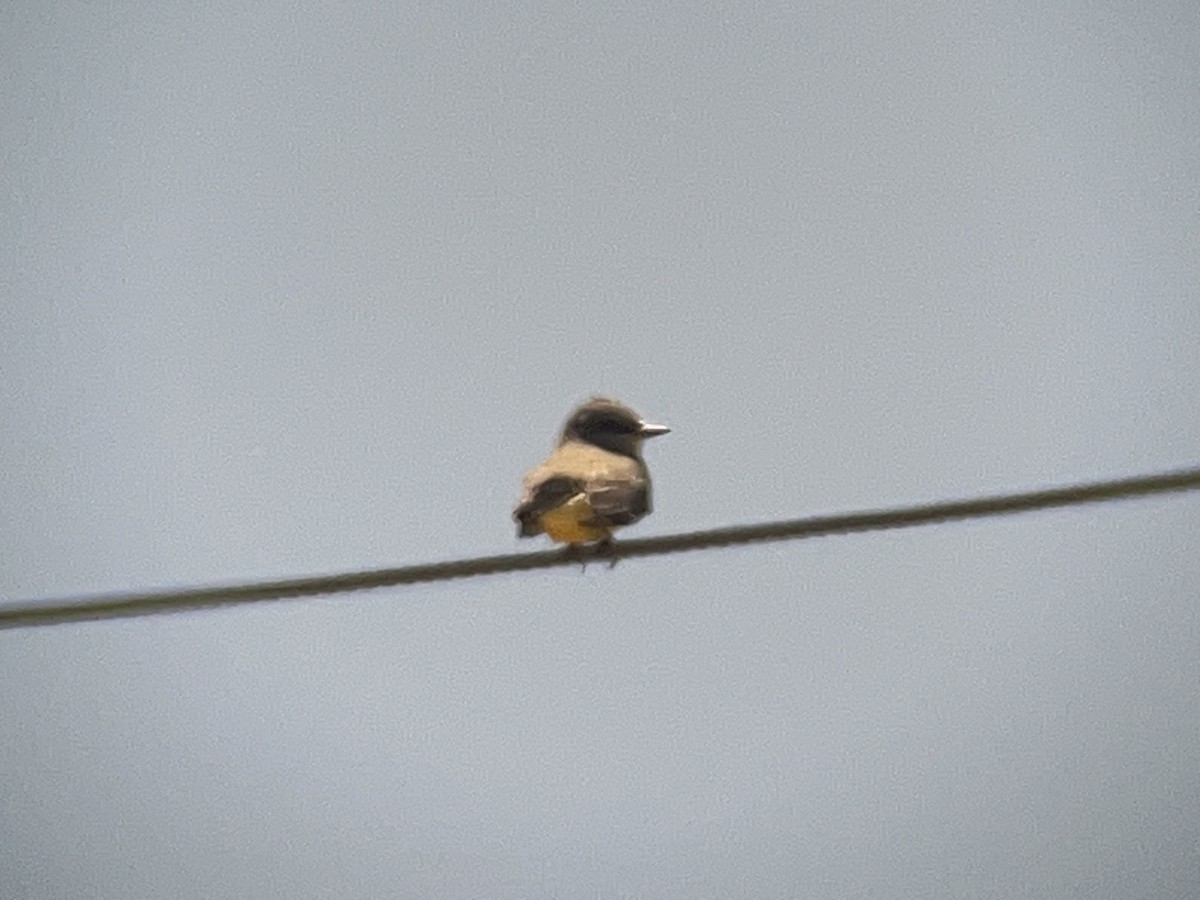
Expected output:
(585, 553)
(608, 548)
(576, 553)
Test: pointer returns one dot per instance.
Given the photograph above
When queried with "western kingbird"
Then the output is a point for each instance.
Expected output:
(595, 479)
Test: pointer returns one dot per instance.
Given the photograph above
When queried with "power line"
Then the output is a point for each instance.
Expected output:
(114, 606)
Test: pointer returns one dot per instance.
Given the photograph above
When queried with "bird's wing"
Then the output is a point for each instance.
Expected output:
(618, 502)
(542, 495)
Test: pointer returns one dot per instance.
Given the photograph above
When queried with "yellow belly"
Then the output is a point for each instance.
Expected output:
(568, 523)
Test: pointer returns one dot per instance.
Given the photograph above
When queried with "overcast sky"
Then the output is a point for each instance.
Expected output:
(291, 288)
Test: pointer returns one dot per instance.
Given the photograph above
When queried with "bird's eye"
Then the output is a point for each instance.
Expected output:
(605, 423)
(616, 424)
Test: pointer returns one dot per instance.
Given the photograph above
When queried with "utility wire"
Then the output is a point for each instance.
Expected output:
(114, 606)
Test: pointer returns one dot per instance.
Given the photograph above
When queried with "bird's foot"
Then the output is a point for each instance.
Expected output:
(607, 548)
(583, 554)
(577, 553)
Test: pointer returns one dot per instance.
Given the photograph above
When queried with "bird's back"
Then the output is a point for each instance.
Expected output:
(587, 463)
(605, 488)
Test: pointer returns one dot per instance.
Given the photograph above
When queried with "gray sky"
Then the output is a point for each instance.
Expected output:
(292, 288)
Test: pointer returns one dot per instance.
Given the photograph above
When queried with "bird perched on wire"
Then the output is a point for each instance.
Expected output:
(594, 481)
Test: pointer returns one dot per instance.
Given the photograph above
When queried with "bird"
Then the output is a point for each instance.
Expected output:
(594, 481)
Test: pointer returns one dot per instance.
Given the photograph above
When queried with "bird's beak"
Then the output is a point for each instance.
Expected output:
(648, 431)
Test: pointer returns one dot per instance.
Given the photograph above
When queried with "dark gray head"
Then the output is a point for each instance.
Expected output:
(609, 424)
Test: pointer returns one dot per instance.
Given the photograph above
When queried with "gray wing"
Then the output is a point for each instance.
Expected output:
(619, 502)
(540, 497)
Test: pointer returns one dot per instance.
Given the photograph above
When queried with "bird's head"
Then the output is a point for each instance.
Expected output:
(609, 424)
